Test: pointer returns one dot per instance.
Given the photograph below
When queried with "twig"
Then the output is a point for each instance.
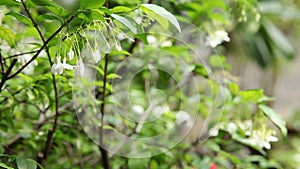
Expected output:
(2, 64)
(132, 46)
(44, 45)
(5, 74)
(43, 158)
(20, 54)
(104, 153)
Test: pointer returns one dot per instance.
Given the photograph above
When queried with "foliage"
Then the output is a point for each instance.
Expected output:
(47, 50)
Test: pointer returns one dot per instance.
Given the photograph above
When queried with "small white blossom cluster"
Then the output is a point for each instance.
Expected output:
(154, 42)
(216, 38)
(58, 67)
(262, 138)
(256, 137)
(91, 53)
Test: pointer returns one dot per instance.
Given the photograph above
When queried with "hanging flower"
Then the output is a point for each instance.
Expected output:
(58, 67)
(119, 47)
(182, 117)
(138, 20)
(71, 54)
(138, 109)
(217, 38)
(96, 56)
(79, 68)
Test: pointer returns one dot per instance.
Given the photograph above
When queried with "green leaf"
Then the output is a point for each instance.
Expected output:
(161, 20)
(5, 166)
(245, 141)
(279, 39)
(26, 78)
(276, 119)
(135, 163)
(126, 22)
(48, 16)
(23, 163)
(142, 37)
(234, 88)
(121, 9)
(254, 96)
(218, 61)
(233, 158)
(163, 13)
(99, 70)
(9, 3)
(113, 76)
(42, 2)
(22, 18)
(94, 14)
(200, 70)
(7, 35)
(55, 8)
(91, 4)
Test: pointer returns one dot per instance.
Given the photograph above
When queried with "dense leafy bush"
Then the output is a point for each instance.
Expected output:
(130, 84)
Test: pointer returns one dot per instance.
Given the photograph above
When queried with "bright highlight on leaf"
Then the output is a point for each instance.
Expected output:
(126, 22)
(91, 4)
(162, 12)
(7, 35)
(22, 18)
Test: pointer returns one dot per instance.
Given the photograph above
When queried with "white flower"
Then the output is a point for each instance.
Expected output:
(138, 109)
(119, 47)
(96, 56)
(182, 117)
(159, 110)
(58, 67)
(166, 43)
(262, 139)
(121, 36)
(231, 127)
(257, 17)
(213, 132)
(246, 126)
(138, 20)
(152, 41)
(71, 54)
(217, 38)
(80, 68)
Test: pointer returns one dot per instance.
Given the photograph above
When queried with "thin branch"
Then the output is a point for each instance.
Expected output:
(5, 74)
(2, 64)
(43, 158)
(20, 54)
(133, 45)
(44, 45)
(18, 139)
(104, 153)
